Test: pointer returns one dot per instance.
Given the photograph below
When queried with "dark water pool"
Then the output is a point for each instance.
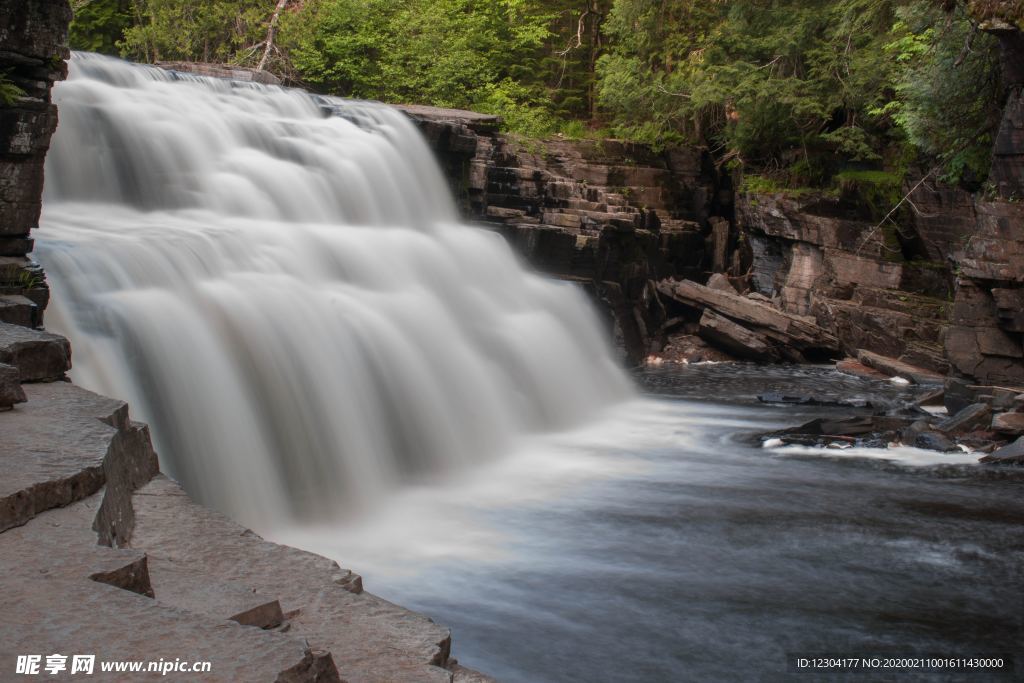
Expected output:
(708, 558)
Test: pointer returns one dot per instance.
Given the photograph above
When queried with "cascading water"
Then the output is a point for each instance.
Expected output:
(277, 282)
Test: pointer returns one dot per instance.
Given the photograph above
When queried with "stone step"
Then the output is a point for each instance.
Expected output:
(62, 596)
(61, 446)
(369, 638)
(183, 587)
(16, 309)
(38, 355)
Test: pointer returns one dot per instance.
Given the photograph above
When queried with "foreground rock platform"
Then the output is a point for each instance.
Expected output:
(102, 555)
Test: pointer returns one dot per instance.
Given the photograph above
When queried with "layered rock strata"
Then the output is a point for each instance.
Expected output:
(33, 49)
(612, 215)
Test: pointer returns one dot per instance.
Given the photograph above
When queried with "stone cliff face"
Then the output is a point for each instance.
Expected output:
(33, 47)
(939, 286)
(614, 216)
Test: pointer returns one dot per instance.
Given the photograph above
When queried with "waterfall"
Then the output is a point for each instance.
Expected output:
(278, 283)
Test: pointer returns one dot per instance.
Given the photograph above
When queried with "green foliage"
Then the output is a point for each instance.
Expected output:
(9, 93)
(449, 53)
(794, 90)
(196, 30)
(99, 25)
(947, 91)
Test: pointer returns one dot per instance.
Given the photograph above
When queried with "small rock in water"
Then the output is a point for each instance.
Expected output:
(899, 380)
(974, 416)
(933, 441)
(1009, 423)
(1007, 455)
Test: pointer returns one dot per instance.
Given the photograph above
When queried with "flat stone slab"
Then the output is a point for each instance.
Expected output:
(897, 368)
(853, 367)
(183, 587)
(16, 309)
(790, 332)
(443, 114)
(1011, 454)
(51, 605)
(38, 355)
(1009, 423)
(735, 338)
(53, 449)
(369, 638)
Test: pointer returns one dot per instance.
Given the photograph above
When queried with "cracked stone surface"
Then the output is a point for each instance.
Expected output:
(370, 639)
(53, 449)
(51, 605)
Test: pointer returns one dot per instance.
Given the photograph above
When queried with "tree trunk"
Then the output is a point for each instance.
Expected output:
(271, 34)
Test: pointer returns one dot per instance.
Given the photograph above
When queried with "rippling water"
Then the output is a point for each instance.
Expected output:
(666, 545)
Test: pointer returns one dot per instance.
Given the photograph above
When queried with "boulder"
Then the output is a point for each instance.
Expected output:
(735, 339)
(793, 336)
(1009, 423)
(897, 368)
(934, 441)
(10, 387)
(39, 356)
(721, 283)
(958, 395)
(1013, 454)
(971, 418)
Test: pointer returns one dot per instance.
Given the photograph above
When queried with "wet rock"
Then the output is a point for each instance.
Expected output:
(958, 395)
(813, 400)
(39, 356)
(935, 441)
(971, 418)
(897, 368)
(872, 431)
(1012, 454)
(1011, 424)
(909, 434)
(10, 387)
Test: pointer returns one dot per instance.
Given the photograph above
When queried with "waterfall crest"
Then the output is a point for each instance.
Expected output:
(279, 285)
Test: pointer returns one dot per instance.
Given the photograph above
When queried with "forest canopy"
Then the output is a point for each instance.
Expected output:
(796, 91)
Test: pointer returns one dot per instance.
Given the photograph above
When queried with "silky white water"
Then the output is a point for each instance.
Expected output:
(279, 285)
